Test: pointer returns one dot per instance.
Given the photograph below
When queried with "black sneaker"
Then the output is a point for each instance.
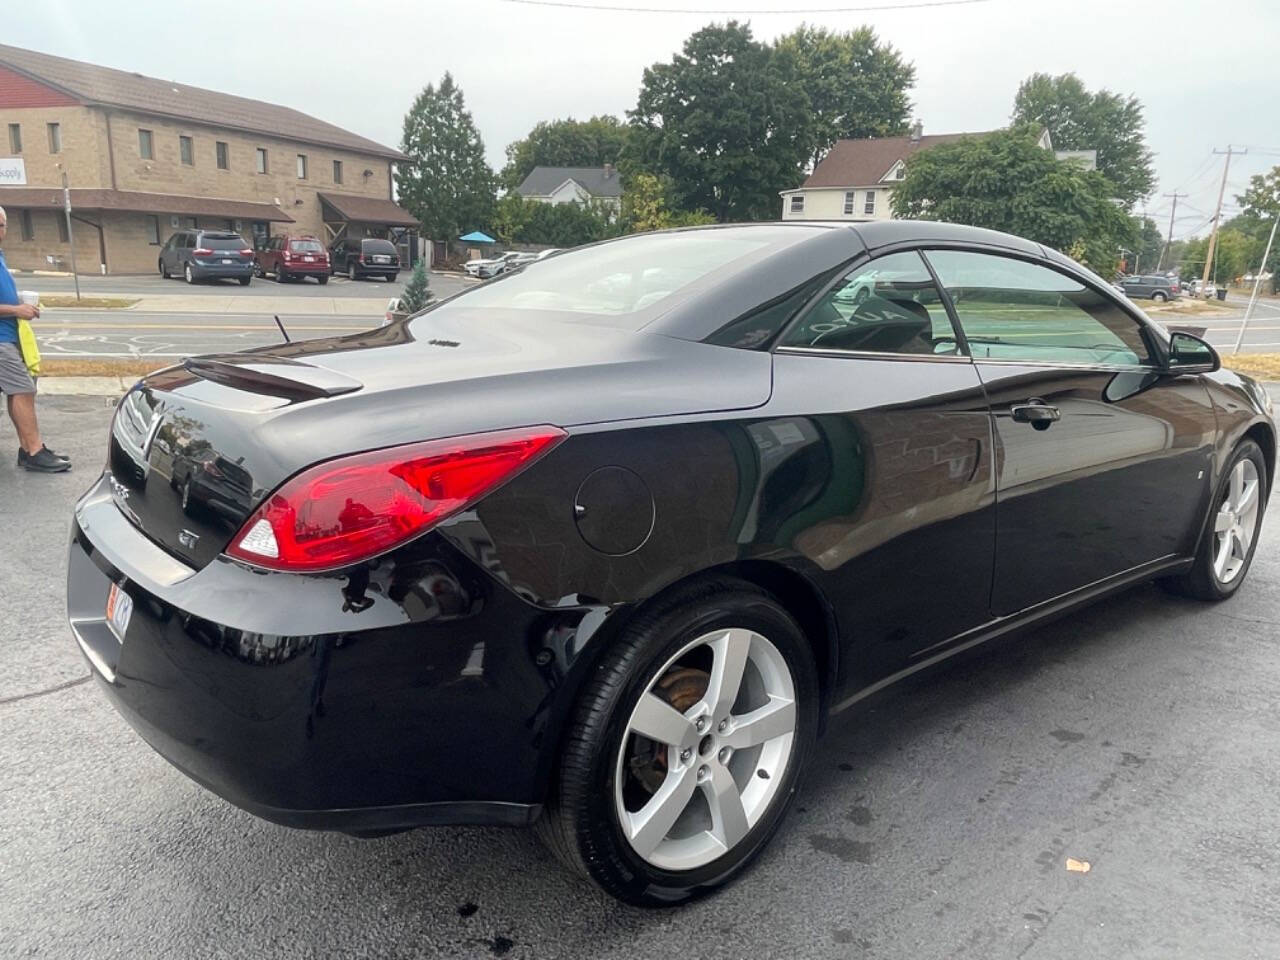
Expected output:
(45, 461)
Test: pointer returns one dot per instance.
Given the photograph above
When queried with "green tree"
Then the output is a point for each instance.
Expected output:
(647, 205)
(727, 120)
(556, 224)
(446, 183)
(1080, 120)
(1148, 247)
(1231, 256)
(1006, 181)
(417, 292)
(565, 143)
(857, 86)
(1260, 205)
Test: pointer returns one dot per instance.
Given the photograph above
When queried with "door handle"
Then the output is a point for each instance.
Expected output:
(1037, 413)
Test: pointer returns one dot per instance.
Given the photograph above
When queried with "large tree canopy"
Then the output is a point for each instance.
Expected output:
(857, 86)
(446, 183)
(1006, 181)
(565, 143)
(1259, 206)
(727, 120)
(1080, 120)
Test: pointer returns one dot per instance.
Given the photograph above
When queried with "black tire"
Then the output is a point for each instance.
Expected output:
(351, 272)
(281, 276)
(580, 822)
(1201, 582)
(322, 279)
(392, 278)
(164, 271)
(188, 275)
(244, 281)
(1159, 297)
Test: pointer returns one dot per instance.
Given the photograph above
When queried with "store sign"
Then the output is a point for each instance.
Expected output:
(13, 172)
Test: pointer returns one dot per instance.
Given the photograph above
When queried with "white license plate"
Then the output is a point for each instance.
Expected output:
(119, 610)
(309, 259)
(381, 259)
(226, 260)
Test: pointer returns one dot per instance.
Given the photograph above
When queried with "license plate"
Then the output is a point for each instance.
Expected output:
(309, 259)
(228, 261)
(381, 259)
(119, 610)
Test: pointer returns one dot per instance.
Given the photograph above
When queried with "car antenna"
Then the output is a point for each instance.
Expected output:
(284, 333)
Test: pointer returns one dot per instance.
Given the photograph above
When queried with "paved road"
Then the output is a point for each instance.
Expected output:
(1262, 334)
(144, 285)
(1140, 736)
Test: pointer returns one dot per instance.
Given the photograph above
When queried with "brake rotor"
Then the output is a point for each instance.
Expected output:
(681, 687)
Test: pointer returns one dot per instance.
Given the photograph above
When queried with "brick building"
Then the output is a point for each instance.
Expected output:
(144, 157)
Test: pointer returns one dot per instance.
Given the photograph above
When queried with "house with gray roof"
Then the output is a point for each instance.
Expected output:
(573, 185)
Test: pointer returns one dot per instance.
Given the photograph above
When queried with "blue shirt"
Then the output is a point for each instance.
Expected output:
(8, 294)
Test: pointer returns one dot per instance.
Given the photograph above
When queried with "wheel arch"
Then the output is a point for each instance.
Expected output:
(1265, 438)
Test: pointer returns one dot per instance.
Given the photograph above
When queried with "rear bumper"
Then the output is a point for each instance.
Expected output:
(406, 697)
(211, 270)
(306, 269)
(376, 270)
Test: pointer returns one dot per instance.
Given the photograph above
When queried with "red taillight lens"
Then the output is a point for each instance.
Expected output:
(202, 252)
(246, 252)
(348, 510)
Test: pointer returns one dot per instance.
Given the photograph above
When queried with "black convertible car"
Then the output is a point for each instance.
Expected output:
(599, 545)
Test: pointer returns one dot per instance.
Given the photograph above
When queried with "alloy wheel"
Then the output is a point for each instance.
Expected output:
(705, 749)
(1236, 522)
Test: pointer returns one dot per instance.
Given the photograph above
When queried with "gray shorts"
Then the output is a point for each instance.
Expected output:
(14, 377)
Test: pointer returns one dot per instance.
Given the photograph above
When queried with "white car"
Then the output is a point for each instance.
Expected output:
(1201, 289)
(491, 267)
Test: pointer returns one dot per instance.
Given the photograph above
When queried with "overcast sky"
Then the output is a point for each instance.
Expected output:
(1206, 73)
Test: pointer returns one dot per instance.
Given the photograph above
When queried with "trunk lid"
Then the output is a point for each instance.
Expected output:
(195, 448)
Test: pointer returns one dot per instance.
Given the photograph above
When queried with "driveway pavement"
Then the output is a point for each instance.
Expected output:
(1139, 736)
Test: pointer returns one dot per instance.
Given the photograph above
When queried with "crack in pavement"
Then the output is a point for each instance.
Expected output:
(44, 693)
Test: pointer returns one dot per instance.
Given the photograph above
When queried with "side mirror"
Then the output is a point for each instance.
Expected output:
(1190, 354)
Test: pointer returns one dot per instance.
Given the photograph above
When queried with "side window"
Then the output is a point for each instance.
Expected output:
(887, 305)
(1013, 310)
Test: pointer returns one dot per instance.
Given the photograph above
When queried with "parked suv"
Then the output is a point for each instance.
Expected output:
(1155, 287)
(365, 258)
(207, 255)
(287, 257)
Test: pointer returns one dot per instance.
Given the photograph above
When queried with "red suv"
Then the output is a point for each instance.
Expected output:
(288, 257)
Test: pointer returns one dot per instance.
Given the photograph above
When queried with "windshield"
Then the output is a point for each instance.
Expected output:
(629, 277)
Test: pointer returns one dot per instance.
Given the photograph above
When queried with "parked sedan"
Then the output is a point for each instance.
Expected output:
(599, 546)
(206, 255)
(487, 268)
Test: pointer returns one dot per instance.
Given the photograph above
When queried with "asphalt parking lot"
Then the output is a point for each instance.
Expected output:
(1140, 736)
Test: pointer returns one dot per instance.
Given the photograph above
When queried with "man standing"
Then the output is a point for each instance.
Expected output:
(15, 382)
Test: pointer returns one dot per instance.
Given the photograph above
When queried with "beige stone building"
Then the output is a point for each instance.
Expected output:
(144, 157)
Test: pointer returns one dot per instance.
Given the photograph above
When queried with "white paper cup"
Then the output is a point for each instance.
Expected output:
(29, 297)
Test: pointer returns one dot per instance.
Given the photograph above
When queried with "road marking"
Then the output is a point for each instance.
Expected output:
(189, 326)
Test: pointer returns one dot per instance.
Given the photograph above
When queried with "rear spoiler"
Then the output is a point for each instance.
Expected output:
(277, 377)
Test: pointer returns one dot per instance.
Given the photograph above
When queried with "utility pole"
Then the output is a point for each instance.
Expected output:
(71, 240)
(1257, 280)
(1172, 213)
(1217, 213)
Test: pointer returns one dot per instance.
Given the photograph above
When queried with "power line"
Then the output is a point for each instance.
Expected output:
(606, 8)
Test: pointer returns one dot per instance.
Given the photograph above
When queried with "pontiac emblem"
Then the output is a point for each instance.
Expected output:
(188, 539)
(120, 490)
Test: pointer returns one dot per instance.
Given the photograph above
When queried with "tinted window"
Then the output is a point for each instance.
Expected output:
(889, 305)
(758, 327)
(305, 246)
(378, 246)
(625, 277)
(1013, 310)
(223, 241)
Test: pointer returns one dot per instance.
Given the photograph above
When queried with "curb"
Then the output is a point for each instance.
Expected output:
(84, 386)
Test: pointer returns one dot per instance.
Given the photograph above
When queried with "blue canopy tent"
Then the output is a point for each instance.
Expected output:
(476, 236)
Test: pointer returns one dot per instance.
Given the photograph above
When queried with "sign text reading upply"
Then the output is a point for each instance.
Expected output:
(13, 171)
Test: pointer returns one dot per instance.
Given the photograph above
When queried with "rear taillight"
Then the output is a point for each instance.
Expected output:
(202, 252)
(288, 255)
(351, 509)
(246, 252)
(361, 258)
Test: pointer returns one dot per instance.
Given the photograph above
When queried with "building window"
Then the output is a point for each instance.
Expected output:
(900, 172)
(797, 203)
(55, 137)
(224, 155)
(302, 166)
(262, 160)
(187, 151)
(63, 235)
(28, 229)
(189, 222)
(849, 198)
(337, 171)
(869, 207)
(153, 230)
(15, 138)
(146, 147)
